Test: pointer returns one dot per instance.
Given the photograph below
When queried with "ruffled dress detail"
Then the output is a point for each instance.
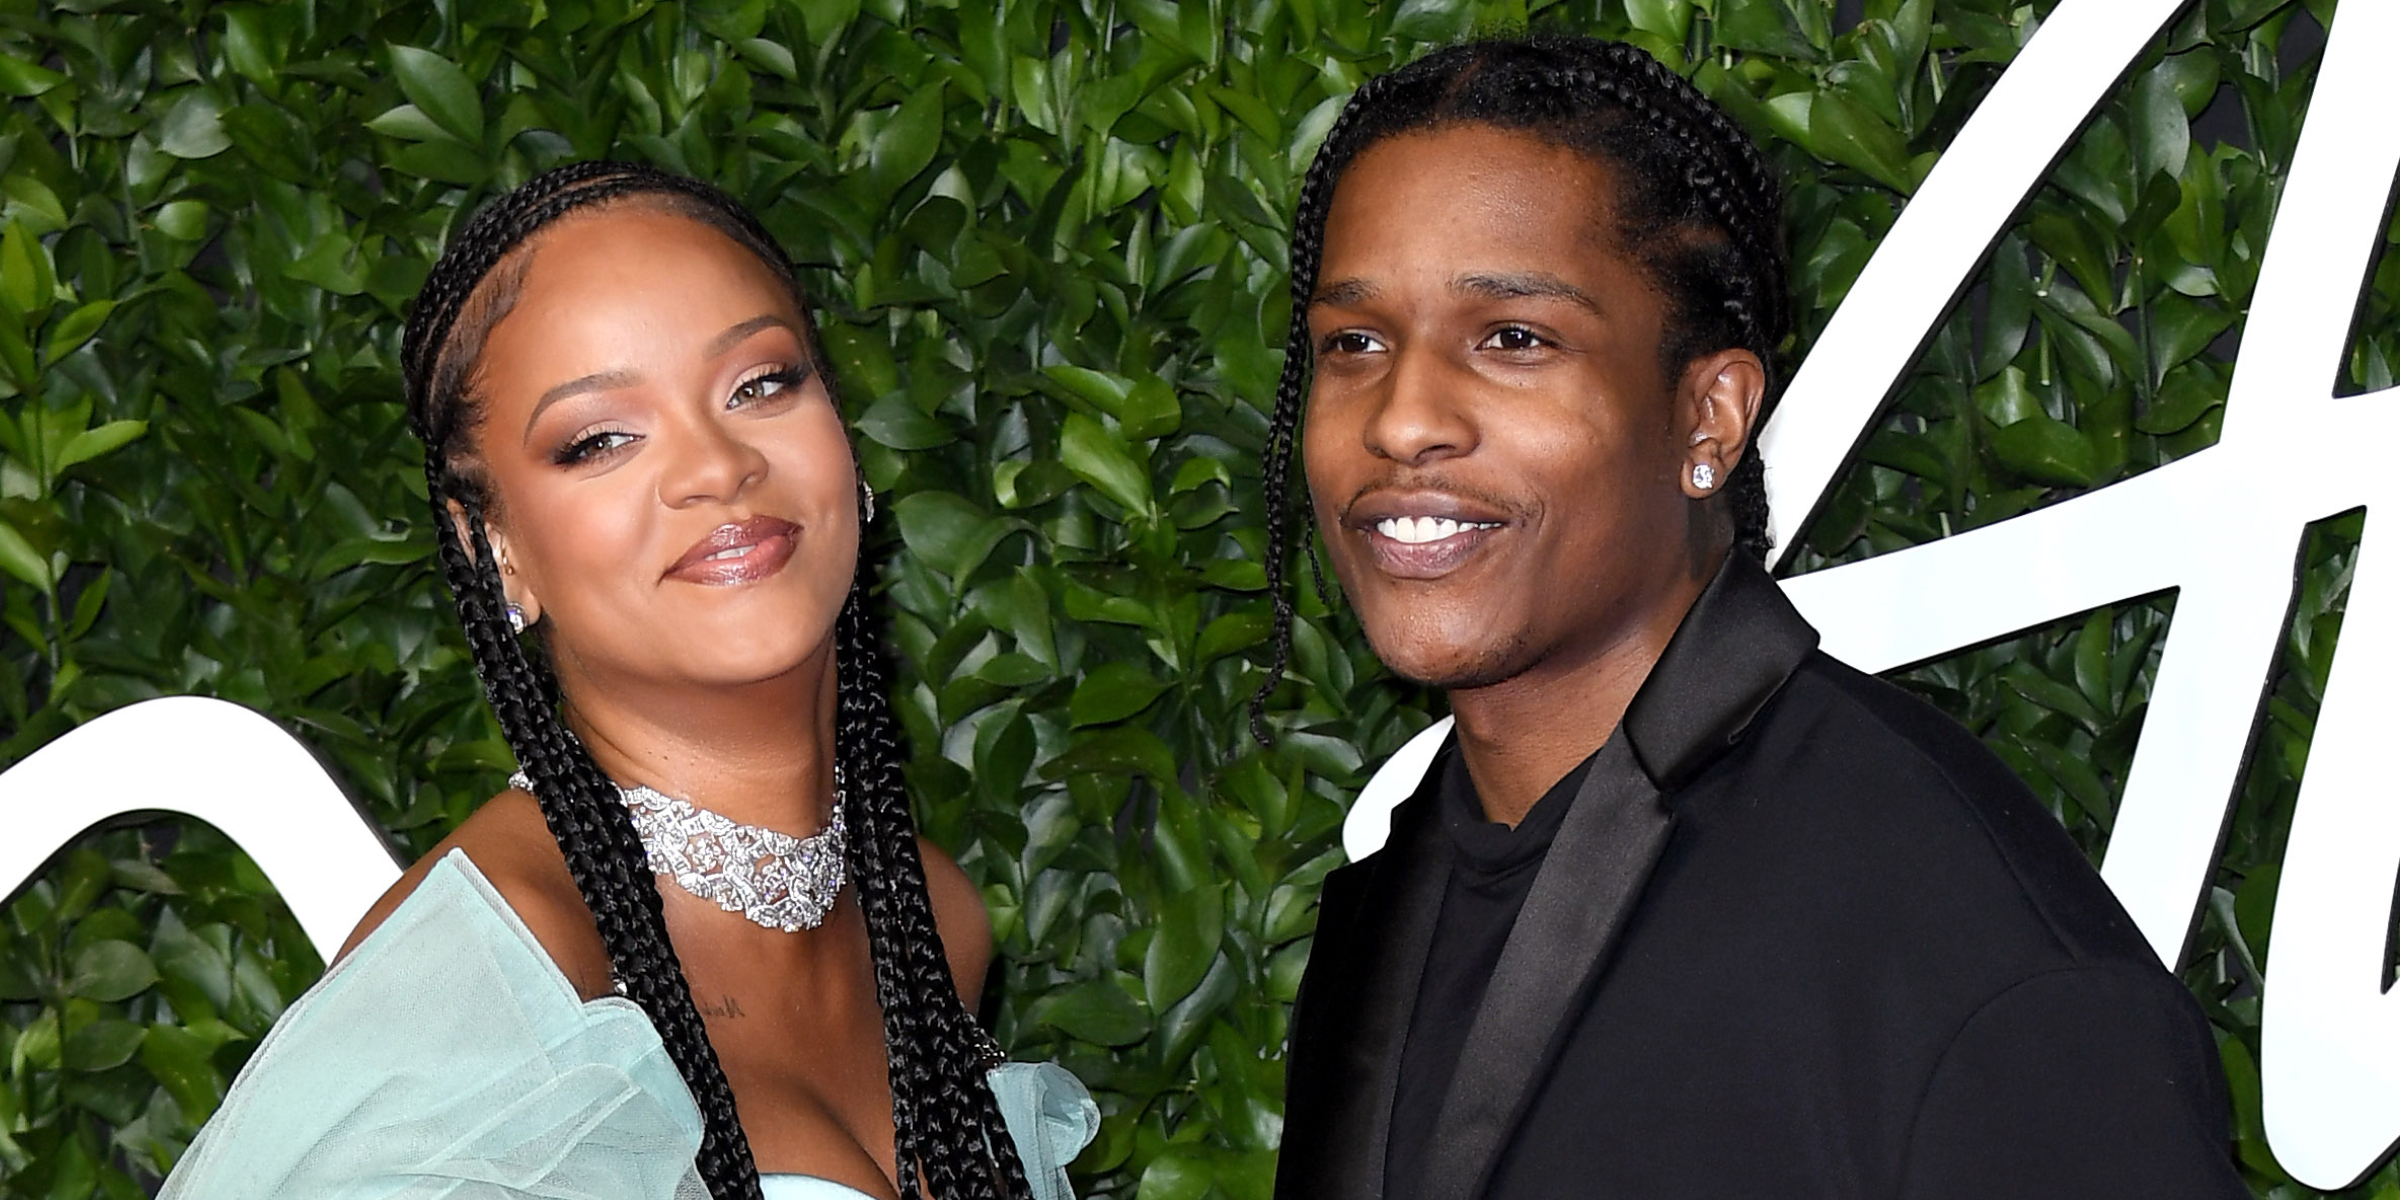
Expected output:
(447, 1058)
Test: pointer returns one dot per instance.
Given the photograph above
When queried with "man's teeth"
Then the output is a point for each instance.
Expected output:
(1418, 530)
(732, 552)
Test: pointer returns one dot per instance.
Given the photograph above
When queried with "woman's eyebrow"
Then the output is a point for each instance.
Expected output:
(733, 336)
(597, 381)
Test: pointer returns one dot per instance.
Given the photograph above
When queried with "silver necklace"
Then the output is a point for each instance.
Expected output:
(772, 878)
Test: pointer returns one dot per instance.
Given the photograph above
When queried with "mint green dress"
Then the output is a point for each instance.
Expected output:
(447, 1058)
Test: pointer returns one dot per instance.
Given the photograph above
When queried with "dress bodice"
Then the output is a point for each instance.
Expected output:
(806, 1187)
(448, 1058)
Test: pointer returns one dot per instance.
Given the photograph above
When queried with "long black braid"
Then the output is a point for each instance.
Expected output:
(946, 1122)
(1698, 208)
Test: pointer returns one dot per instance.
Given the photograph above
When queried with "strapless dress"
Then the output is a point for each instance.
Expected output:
(447, 1058)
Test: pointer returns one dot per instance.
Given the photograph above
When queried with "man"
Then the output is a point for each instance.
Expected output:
(1686, 908)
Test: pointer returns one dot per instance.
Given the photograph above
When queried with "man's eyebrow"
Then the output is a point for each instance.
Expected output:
(1344, 293)
(1522, 285)
(597, 381)
(733, 337)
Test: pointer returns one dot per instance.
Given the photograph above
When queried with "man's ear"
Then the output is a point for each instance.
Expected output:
(1720, 397)
(516, 587)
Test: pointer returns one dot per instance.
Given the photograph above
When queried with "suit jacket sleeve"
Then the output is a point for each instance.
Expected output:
(2086, 1082)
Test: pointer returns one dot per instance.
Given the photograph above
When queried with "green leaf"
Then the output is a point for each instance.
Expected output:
(438, 87)
(18, 558)
(105, 1043)
(1178, 1174)
(907, 144)
(1112, 692)
(1095, 1010)
(72, 331)
(1847, 134)
(21, 78)
(1101, 458)
(897, 422)
(27, 283)
(111, 970)
(181, 1062)
(950, 532)
(92, 443)
(183, 220)
(1183, 944)
(409, 122)
(195, 126)
(2046, 450)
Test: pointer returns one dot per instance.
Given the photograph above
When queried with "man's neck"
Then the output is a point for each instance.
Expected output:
(1520, 736)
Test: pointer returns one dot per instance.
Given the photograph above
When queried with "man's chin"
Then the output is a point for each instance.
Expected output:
(1452, 667)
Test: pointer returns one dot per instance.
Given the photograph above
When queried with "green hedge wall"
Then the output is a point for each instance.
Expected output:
(1048, 239)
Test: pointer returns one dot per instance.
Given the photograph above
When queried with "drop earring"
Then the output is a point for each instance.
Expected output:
(866, 492)
(516, 619)
(1704, 476)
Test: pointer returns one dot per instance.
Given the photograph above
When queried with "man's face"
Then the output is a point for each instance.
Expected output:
(1495, 454)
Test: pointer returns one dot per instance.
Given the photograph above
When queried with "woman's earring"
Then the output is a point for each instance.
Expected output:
(866, 493)
(516, 619)
(1704, 476)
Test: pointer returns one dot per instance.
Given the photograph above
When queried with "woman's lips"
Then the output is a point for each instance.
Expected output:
(738, 552)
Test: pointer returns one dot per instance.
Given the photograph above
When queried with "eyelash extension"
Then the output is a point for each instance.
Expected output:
(790, 377)
(580, 450)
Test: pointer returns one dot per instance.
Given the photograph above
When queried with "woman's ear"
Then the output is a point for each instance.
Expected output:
(517, 589)
(1720, 396)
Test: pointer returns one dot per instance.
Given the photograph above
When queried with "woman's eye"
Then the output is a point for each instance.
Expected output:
(762, 386)
(1350, 341)
(1515, 337)
(592, 445)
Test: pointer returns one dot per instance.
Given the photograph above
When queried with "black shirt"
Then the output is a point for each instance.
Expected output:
(1492, 868)
(1797, 935)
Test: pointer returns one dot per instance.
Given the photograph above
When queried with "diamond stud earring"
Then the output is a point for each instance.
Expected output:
(1704, 476)
(516, 619)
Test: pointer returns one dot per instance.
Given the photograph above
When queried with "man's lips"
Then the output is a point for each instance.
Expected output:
(738, 552)
(1423, 535)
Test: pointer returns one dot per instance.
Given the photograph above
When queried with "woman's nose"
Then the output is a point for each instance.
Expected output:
(711, 464)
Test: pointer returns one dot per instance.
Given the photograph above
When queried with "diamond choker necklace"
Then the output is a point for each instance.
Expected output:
(775, 879)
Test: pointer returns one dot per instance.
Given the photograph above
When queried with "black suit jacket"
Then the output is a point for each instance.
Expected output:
(1800, 935)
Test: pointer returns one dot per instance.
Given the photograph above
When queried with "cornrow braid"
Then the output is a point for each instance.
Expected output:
(946, 1123)
(1698, 207)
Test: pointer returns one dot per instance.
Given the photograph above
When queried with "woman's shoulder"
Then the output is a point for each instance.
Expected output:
(511, 847)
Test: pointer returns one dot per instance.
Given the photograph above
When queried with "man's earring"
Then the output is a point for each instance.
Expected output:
(516, 619)
(1704, 476)
(866, 493)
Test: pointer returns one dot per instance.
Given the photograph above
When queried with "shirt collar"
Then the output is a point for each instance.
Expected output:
(1735, 648)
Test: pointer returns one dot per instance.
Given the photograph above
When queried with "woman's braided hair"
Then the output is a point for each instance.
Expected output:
(947, 1124)
(1696, 205)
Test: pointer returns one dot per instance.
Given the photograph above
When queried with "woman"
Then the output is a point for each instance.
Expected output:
(649, 514)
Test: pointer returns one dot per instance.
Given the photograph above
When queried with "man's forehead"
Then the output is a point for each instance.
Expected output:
(1351, 291)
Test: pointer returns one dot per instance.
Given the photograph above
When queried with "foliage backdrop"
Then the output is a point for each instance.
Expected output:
(1048, 240)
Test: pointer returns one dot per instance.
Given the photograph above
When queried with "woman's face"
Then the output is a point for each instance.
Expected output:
(675, 496)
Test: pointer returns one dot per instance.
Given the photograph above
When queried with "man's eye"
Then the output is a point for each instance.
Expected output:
(1515, 337)
(760, 387)
(1351, 341)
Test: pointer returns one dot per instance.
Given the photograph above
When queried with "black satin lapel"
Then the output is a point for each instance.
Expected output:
(1390, 975)
(1357, 1013)
(1589, 881)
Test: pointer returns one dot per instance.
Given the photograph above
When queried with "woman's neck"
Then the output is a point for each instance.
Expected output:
(760, 753)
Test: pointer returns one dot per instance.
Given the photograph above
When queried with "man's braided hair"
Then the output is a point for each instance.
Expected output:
(942, 1108)
(1696, 206)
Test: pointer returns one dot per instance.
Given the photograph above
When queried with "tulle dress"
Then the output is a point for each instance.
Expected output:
(447, 1058)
